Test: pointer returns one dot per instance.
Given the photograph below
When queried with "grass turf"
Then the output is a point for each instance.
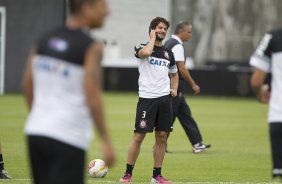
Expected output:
(236, 128)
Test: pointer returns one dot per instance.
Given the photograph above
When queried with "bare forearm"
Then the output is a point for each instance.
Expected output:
(174, 81)
(27, 82)
(93, 93)
(28, 94)
(256, 89)
(260, 89)
(148, 49)
(97, 113)
(186, 75)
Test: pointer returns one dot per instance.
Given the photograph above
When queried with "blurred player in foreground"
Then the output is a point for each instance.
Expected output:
(154, 112)
(181, 110)
(268, 59)
(62, 87)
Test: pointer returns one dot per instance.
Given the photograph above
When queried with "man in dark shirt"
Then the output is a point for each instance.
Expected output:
(182, 33)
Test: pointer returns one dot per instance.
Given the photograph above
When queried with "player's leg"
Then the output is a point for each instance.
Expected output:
(134, 149)
(163, 125)
(68, 164)
(159, 150)
(55, 162)
(188, 123)
(175, 109)
(144, 122)
(190, 127)
(276, 148)
(39, 161)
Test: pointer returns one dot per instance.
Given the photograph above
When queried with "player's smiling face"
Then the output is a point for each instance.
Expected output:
(161, 31)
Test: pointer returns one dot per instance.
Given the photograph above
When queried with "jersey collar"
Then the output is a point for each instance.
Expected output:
(177, 38)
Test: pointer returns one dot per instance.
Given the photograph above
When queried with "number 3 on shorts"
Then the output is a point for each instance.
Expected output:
(144, 114)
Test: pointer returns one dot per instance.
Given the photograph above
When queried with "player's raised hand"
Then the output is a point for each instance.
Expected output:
(153, 34)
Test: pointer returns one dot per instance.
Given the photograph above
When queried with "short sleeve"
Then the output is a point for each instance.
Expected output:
(261, 58)
(137, 49)
(178, 52)
(172, 65)
(264, 48)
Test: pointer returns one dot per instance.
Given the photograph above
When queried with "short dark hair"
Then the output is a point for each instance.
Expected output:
(180, 25)
(75, 5)
(155, 22)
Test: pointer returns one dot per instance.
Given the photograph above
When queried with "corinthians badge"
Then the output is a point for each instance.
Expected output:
(143, 123)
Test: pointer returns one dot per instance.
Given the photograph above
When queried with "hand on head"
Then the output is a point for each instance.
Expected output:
(152, 34)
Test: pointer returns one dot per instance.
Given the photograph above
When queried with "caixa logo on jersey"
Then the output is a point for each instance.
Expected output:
(159, 62)
(53, 67)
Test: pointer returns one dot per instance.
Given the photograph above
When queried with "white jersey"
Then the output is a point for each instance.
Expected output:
(154, 80)
(268, 58)
(59, 109)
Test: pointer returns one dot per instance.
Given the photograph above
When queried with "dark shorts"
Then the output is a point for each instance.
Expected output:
(154, 113)
(55, 162)
(276, 147)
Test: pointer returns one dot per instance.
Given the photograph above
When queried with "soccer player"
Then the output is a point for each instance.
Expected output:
(155, 65)
(268, 59)
(3, 173)
(62, 88)
(182, 33)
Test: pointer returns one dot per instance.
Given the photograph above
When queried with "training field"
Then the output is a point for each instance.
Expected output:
(236, 128)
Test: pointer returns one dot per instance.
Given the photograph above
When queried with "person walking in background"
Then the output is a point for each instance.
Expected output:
(268, 59)
(154, 110)
(182, 33)
(62, 87)
(3, 173)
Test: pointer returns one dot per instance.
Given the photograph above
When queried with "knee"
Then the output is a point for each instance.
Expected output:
(138, 138)
(161, 136)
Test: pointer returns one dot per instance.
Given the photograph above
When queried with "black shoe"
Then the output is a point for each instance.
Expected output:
(4, 175)
(200, 147)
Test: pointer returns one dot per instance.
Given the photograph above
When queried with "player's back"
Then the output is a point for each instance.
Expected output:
(59, 106)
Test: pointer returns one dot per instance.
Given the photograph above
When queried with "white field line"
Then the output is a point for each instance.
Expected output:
(97, 182)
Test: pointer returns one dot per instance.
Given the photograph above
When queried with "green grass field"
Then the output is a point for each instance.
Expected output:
(236, 128)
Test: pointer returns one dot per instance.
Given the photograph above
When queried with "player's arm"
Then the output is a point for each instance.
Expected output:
(173, 74)
(188, 78)
(147, 50)
(261, 60)
(173, 83)
(260, 89)
(178, 52)
(93, 91)
(27, 82)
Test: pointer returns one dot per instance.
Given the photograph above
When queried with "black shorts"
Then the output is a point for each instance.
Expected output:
(154, 113)
(276, 147)
(55, 162)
